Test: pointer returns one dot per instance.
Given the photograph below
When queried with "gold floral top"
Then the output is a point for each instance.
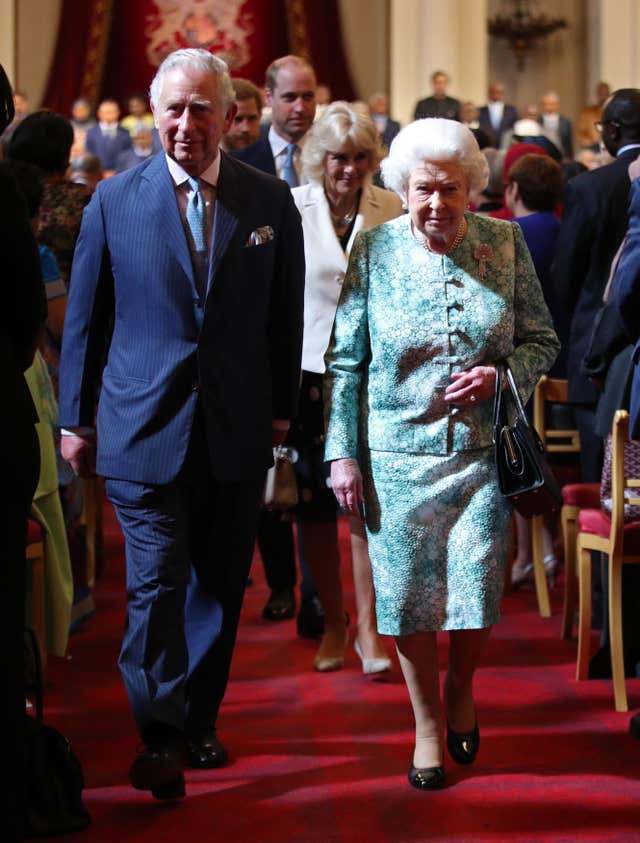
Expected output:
(60, 216)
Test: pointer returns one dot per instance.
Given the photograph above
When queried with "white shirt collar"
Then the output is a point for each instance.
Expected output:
(279, 144)
(179, 176)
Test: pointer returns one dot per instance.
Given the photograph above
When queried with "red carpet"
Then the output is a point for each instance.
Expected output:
(324, 757)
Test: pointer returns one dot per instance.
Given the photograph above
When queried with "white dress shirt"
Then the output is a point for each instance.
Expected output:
(279, 150)
(208, 181)
(496, 110)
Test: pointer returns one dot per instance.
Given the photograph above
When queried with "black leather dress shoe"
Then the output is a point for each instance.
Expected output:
(280, 606)
(426, 778)
(207, 753)
(159, 766)
(463, 746)
(310, 621)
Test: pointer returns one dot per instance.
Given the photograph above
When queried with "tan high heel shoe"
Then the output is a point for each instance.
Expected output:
(330, 655)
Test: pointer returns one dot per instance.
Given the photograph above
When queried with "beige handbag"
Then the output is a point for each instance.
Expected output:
(281, 486)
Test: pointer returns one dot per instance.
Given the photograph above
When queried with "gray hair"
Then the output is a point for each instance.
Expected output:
(339, 123)
(434, 139)
(197, 59)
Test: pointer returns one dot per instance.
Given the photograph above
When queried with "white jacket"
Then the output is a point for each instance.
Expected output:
(326, 263)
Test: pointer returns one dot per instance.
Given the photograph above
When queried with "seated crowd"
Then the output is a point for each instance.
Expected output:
(522, 185)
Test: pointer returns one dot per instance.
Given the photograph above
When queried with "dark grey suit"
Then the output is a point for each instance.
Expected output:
(509, 117)
(593, 225)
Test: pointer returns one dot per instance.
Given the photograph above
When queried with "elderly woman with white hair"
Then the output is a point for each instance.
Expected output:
(432, 303)
(340, 154)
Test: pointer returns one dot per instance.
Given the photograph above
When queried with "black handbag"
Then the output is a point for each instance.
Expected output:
(54, 780)
(524, 475)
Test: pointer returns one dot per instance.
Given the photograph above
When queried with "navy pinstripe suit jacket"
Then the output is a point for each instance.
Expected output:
(133, 298)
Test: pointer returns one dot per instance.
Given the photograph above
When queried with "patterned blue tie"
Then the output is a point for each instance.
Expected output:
(289, 171)
(197, 216)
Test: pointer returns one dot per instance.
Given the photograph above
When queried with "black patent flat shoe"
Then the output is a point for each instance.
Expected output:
(463, 746)
(426, 778)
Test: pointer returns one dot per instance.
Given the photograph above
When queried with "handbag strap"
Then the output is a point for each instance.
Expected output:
(498, 398)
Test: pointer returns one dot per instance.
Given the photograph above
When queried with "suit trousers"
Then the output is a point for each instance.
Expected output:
(188, 551)
(275, 541)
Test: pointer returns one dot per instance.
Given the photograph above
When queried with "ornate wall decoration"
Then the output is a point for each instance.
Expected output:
(219, 26)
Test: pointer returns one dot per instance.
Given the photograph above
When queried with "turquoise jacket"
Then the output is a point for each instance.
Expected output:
(409, 318)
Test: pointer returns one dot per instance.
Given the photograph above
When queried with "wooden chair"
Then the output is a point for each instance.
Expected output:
(575, 496)
(620, 541)
(548, 391)
(35, 557)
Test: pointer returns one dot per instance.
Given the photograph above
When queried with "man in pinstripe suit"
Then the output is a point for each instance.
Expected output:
(188, 276)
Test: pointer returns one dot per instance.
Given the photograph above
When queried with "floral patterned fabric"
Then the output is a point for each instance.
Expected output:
(407, 320)
(60, 216)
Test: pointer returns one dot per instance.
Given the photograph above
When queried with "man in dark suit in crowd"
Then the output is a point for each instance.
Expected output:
(189, 275)
(290, 85)
(438, 104)
(24, 312)
(555, 123)
(626, 291)
(496, 117)
(387, 128)
(107, 139)
(593, 225)
(144, 144)
(245, 128)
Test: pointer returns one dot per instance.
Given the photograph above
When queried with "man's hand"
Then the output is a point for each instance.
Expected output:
(80, 453)
(346, 481)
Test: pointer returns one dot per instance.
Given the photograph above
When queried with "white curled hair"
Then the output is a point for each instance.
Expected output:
(438, 140)
(197, 59)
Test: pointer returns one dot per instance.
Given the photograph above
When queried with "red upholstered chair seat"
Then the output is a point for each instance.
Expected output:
(34, 532)
(598, 523)
(582, 495)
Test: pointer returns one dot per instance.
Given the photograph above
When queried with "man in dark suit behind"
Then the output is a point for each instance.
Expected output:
(593, 226)
(556, 123)
(193, 265)
(107, 139)
(496, 117)
(438, 104)
(379, 109)
(290, 85)
(626, 292)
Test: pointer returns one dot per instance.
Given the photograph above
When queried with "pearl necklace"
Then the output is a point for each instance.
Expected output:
(460, 233)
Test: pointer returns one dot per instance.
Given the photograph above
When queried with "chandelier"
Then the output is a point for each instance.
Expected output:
(523, 26)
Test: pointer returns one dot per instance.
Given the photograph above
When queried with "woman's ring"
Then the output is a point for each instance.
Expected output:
(472, 398)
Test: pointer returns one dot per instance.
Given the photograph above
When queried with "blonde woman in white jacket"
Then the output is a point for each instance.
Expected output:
(340, 155)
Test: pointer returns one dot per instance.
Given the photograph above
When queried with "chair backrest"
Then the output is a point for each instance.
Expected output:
(623, 483)
(553, 391)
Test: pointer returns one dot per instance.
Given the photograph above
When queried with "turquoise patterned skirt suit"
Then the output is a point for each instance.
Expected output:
(408, 318)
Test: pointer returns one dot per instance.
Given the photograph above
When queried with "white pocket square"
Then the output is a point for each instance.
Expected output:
(260, 235)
